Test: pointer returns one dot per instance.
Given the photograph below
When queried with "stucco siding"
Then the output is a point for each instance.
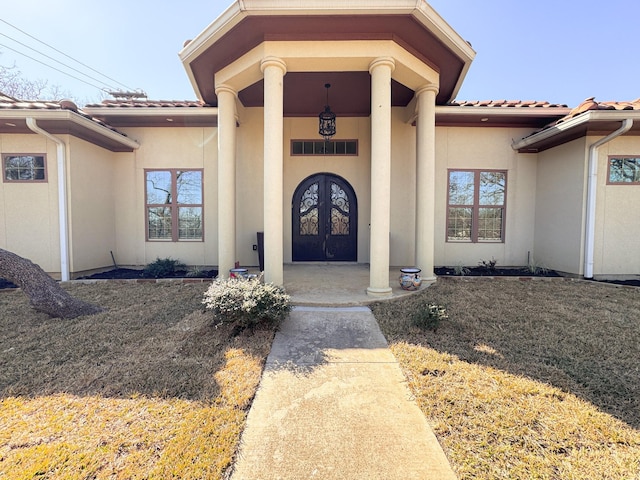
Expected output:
(617, 236)
(403, 191)
(91, 206)
(170, 148)
(354, 169)
(29, 211)
(560, 197)
(486, 149)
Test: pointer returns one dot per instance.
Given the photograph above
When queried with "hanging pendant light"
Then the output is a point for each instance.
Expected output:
(327, 119)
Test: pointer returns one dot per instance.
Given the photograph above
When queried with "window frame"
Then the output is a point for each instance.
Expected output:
(6, 156)
(476, 207)
(615, 157)
(341, 140)
(173, 206)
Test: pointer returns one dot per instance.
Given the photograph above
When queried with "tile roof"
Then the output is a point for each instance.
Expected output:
(591, 104)
(7, 102)
(148, 104)
(10, 103)
(506, 104)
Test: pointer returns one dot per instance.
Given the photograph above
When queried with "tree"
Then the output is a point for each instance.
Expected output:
(44, 293)
(12, 83)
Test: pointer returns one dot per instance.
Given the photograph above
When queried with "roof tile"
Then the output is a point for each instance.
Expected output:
(505, 104)
(10, 103)
(148, 104)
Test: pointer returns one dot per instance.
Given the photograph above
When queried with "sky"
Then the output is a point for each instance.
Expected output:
(561, 51)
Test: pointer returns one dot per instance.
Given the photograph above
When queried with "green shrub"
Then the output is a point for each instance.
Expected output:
(162, 267)
(488, 264)
(246, 301)
(460, 270)
(429, 316)
(536, 268)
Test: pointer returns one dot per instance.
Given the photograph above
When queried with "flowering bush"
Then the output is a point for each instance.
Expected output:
(247, 302)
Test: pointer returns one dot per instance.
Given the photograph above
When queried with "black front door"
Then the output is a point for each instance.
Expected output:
(325, 220)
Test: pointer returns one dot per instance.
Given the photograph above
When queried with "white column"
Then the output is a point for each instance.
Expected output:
(380, 70)
(425, 180)
(273, 70)
(226, 179)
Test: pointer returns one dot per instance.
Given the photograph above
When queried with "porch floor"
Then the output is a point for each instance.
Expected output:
(320, 284)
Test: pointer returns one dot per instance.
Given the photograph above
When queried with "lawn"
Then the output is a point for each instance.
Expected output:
(526, 379)
(151, 388)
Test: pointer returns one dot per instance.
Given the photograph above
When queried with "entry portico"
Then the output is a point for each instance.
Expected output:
(389, 63)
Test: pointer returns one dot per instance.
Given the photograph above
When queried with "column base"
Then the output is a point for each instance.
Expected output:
(379, 292)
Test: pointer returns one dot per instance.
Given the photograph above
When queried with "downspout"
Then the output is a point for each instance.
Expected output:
(61, 149)
(590, 227)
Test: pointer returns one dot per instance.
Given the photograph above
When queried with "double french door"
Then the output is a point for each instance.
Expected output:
(325, 220)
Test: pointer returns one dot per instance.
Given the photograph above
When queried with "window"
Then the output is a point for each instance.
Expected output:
(174, 205)
(320, 147)
(624, 170)
(24, 168)
(476, 206)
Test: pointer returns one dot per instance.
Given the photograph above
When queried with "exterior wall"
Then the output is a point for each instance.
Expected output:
(486, 148)
(560, 199)
(165, 147)
(91, 206)
(617, 220)
(29, 211)
(355, 170)
(249, 185)
(403, 190)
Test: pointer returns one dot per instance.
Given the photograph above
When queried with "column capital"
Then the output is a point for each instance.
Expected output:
(382, 61)
(430, 87)
(226, 89)
(273, 62)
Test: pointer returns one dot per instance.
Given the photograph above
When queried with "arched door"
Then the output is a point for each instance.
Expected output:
(325, 220)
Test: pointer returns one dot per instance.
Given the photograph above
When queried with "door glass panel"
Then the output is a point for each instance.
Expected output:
(339, 223)
(309, 198)
(309, 223)
(339, 198)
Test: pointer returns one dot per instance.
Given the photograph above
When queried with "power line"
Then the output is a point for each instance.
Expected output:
(68, 56)
(55, 60)
(51, 66)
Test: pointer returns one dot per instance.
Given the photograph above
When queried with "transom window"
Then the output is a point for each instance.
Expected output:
(174, 205)
(24, 168)
(476, 204)
(320, 147)
(624, 170)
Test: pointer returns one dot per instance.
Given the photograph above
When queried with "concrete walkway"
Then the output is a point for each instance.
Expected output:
(333, 404)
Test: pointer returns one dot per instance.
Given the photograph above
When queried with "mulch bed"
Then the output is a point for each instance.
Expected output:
(496, 272)
(132, 273)
(520, 272)
(128, 274)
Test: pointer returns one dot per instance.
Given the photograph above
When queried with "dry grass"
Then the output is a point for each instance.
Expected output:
(148, 389)
(527, 380)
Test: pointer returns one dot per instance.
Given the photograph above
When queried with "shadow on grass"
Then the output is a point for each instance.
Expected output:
(154, 340)
(583, 338)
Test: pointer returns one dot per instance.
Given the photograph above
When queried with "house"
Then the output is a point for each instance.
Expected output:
(410, 177)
